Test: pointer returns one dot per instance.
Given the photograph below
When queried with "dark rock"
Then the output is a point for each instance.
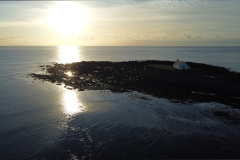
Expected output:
(201, 83)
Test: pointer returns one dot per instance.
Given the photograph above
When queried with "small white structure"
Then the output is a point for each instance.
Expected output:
(180, 65)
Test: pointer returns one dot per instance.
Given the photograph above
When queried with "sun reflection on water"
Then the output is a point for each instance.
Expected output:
(71, 104)
(69, 54)
(69, 73)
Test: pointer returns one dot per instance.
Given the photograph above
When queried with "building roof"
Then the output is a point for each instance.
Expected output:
(178, 63)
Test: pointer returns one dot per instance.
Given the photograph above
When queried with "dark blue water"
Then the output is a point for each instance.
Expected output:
(42, 120)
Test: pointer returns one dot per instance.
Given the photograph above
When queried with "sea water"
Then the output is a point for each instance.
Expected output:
(42, 120)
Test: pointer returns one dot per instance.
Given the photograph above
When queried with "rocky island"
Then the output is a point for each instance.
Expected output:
(201, 83)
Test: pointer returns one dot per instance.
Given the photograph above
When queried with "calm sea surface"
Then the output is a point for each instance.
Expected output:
(42, 120)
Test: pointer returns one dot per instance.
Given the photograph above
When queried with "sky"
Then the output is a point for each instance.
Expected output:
(120, 23)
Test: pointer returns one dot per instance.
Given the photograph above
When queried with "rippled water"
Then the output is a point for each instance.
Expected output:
(42, 120)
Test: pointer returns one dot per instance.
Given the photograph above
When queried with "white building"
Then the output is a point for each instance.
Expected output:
(180, 65)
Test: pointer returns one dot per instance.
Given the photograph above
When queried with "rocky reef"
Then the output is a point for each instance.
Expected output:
(201, 83)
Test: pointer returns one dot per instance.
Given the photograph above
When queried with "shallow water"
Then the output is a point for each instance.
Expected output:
(42, 120)
(134, 125)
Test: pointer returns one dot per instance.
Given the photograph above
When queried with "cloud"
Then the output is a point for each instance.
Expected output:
(128, 37)
(109, 34)
(187, 36)
(21, 23)
(6, 39)
(164, 36)
(199, 37)
(86, 38)
(132, 1)
(213, 36)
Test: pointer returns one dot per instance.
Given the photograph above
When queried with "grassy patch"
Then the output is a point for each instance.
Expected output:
(171, 68)
(166, 67)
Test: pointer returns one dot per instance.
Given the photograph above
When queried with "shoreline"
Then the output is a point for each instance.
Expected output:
(201, 83)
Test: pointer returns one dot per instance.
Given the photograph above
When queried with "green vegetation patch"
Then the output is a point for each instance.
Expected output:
(166, 67)
(171, 68)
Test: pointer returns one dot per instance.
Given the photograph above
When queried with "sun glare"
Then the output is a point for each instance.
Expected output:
(68, 54)
(68, 18)
(69, 74)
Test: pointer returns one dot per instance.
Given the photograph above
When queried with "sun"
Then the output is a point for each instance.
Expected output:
(68, 18)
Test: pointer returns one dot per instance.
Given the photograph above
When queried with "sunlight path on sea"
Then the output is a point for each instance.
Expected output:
(69, 54)
(71, 106)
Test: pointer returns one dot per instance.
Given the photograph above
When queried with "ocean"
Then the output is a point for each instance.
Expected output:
(42, 120)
